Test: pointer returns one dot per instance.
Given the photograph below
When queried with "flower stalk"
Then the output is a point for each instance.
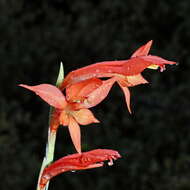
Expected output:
(49, 155)
(50, 145)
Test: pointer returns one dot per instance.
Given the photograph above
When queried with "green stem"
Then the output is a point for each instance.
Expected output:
(50, 147)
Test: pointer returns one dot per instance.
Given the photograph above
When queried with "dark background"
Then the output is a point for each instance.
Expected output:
(154, 142)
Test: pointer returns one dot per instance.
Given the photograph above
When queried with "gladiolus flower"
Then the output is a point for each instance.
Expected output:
(139, 61)
(127, 73)
(83, 161)
(64, 112)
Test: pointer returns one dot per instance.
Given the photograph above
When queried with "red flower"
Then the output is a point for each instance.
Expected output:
(139, 61)
(83, 161)
(126, 72)
(65, 113)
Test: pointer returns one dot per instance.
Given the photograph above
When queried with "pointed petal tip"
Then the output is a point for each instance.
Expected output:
(150, 42)
(96, 121)
(26, 86)
(172, 63)
(129, 109)
(177, 63)
(143, 50)
(22, 85)
(119, 155)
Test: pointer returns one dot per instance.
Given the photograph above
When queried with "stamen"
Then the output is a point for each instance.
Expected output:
(162, 68)
(110, 163)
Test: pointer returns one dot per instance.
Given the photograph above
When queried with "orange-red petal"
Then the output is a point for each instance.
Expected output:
(97, 70)
(84, 117)
(136, 65)
(127, 96)
(79, 91)
(75, 133)
(136, 80)
(99, 94)
(49, 93)
(155, 60)
(143, 50)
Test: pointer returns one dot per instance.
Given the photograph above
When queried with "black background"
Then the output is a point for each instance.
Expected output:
(154, 141)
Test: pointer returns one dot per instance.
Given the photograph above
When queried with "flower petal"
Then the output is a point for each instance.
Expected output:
(49, 93)
(136, 80)
(155, 60)
(138, 64)
(99, 94)
(101, 154)
(79, 91)
(75, 134)
(135, 66)
(97, 70)
(143, 50)
(84, 117)
(127, 96)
